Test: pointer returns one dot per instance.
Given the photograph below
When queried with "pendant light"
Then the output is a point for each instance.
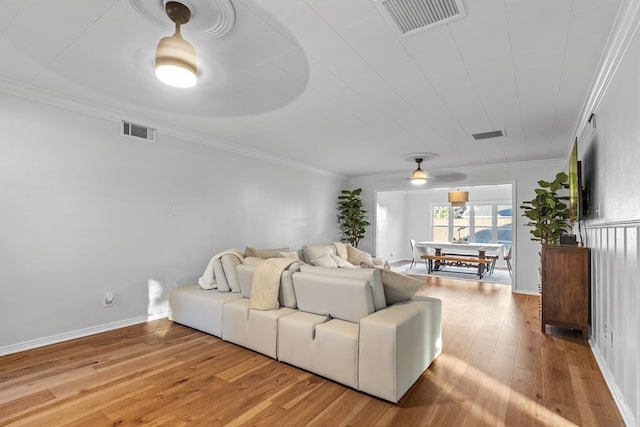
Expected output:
(176, 63)
(458, 198)
(419, 176)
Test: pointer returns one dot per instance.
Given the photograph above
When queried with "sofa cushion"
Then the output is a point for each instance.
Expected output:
(198, 308)
(336, 351)
(336, 297)
(296, 337)
(254, 329)
(399, 287)
(370, 275)
(311, 252)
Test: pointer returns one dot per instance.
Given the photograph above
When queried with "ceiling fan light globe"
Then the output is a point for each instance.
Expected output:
(419, 177)
(176, 63)
(176, 76)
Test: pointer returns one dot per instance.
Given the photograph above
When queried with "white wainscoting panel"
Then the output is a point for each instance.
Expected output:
(615, 310)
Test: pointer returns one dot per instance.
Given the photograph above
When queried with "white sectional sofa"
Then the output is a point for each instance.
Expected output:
(335, 322)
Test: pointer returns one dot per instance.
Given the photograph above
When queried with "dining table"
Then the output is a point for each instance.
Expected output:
(463, 248)
(457, 251)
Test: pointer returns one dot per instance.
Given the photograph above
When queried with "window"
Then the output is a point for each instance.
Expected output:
(477, 223)
(441, 223)
(461, 223)
(483, 224)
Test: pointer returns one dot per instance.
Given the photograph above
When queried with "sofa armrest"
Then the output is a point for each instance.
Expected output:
(397, 344)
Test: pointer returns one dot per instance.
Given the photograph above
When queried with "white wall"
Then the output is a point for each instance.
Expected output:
(524, 177)
(610, 155)
(85, 211)
(390, 225)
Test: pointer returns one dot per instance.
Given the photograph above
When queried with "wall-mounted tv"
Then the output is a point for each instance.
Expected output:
(575, 185)
(579, 194)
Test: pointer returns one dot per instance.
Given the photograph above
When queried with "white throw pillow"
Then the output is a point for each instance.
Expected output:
(324, 261)
(341, 263)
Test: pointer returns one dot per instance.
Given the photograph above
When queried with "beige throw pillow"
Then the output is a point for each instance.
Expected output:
(250, 251)
(358, 257)
(341, 250)
(324, 261)
(399, 287)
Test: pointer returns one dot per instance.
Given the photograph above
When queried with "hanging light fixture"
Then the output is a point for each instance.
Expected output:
(176, 63)
(419, 176)
(458, 198)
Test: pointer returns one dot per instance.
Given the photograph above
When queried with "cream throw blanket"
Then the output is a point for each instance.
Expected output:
(208, 279)
(265, 286)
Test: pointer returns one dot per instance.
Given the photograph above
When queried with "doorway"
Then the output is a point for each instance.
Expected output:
(426, 215)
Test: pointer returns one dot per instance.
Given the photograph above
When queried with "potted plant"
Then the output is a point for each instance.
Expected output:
(548, 213)
(352, 218)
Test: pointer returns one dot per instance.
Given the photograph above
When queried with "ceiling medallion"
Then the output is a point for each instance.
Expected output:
(210, 19)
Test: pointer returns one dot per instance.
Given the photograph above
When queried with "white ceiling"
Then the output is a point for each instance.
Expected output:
(327, 83)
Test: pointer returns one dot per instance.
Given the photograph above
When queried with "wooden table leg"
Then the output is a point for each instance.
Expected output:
(437, 263)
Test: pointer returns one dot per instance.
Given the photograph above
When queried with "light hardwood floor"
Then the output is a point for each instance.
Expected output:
(497, 368)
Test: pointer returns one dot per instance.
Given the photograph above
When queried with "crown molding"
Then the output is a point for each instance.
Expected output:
(31, 93)
(622, 34)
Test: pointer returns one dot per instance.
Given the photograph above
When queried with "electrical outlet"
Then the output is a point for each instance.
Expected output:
(108, 299)
(178, 210)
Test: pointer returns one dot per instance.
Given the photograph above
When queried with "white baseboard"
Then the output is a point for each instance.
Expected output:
(618, 397)
(54, 339)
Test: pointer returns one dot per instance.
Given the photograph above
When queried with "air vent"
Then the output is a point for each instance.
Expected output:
(489, 135)
(408, 17)
(133, 130)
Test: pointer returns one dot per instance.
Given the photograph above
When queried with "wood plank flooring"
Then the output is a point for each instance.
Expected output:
(496, 369)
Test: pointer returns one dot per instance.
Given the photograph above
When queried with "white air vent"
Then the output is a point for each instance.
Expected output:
(408, 17)
(133, 130)
(489, 135)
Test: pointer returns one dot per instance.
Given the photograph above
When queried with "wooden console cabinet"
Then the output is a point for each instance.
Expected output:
(565, 287)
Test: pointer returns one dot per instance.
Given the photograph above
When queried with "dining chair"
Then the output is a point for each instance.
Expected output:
(419, 251)
(412, 242)
(507, 258)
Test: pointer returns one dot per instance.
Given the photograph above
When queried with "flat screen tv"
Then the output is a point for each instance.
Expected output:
(575, 185)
